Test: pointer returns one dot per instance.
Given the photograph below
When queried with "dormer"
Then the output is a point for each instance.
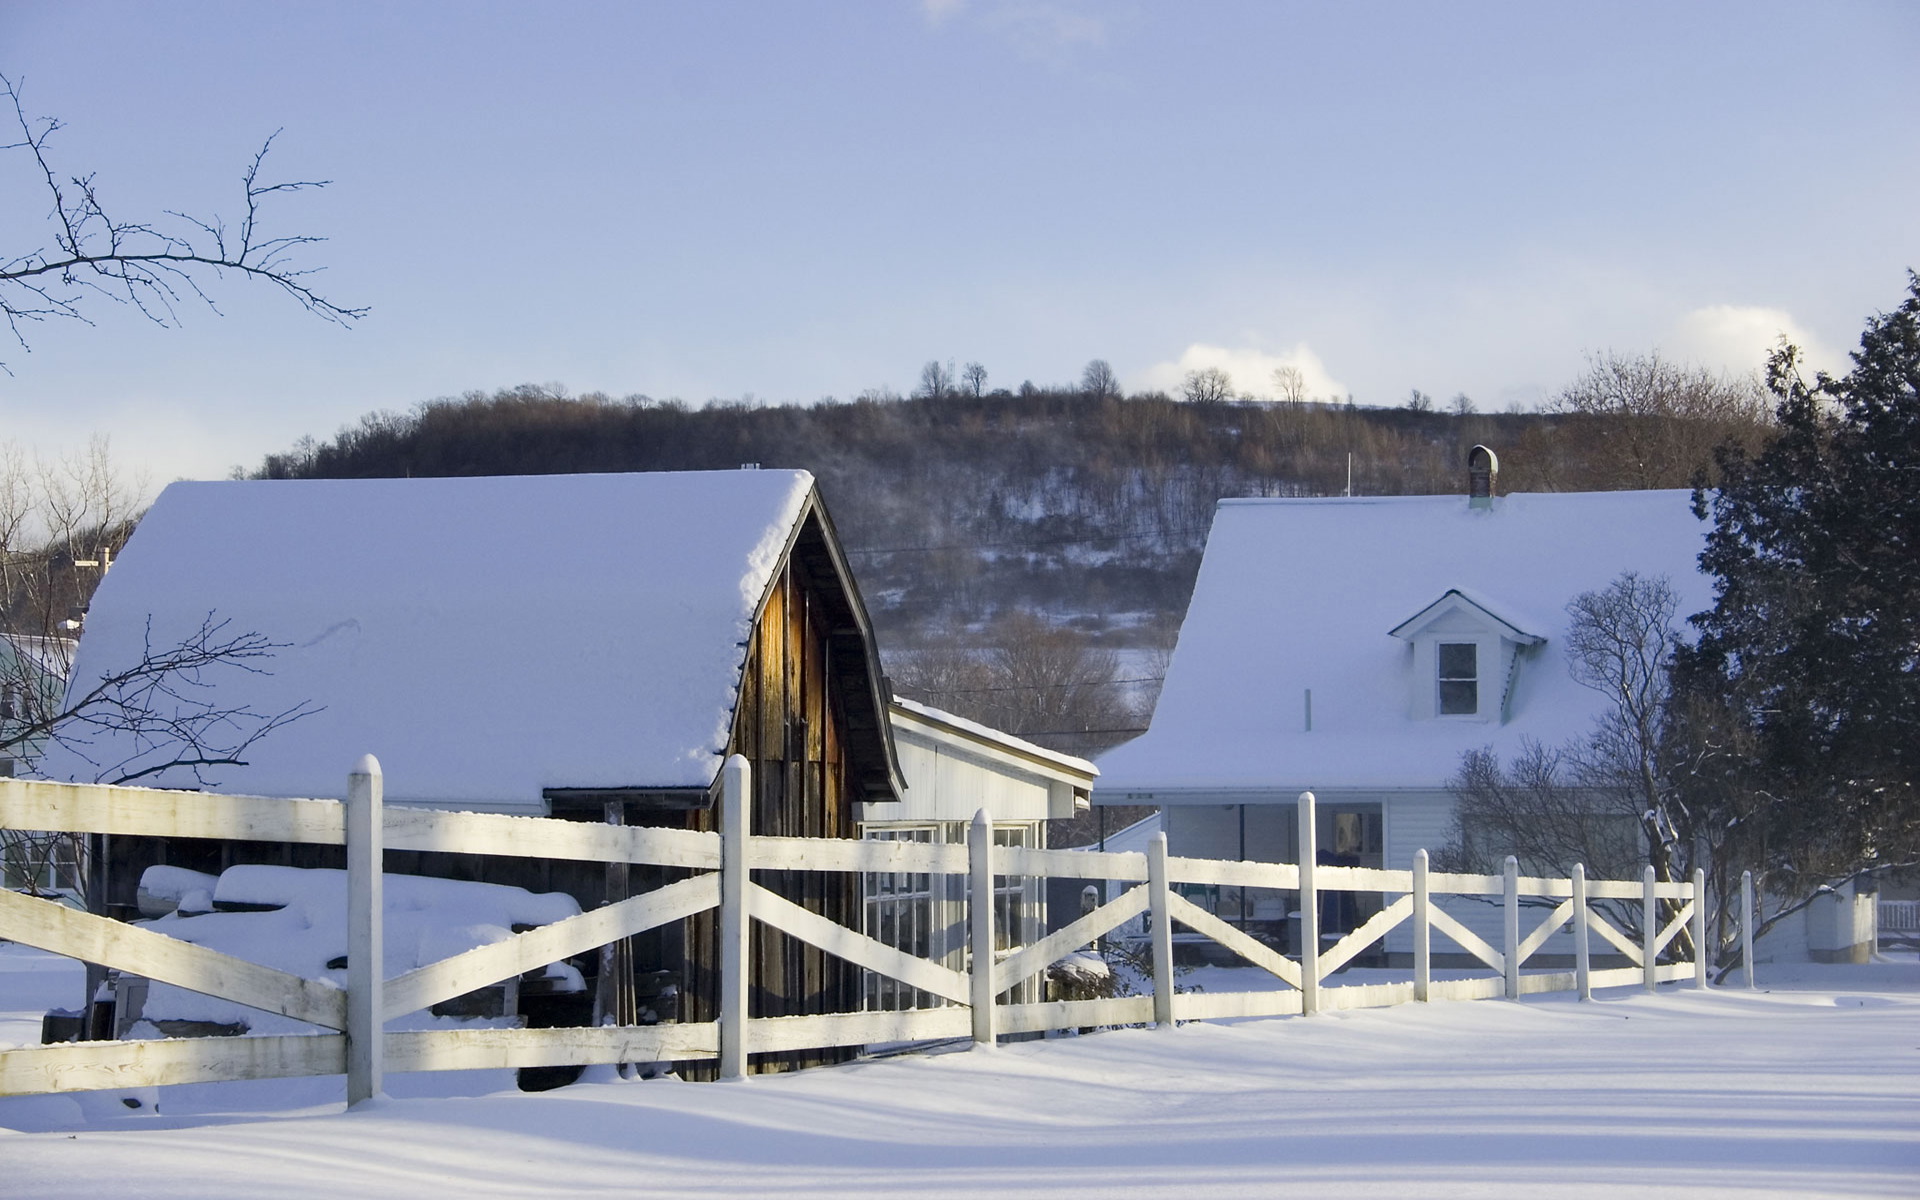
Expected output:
(1465, 659)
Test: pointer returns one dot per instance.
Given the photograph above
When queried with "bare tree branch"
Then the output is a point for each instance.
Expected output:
(93, 253)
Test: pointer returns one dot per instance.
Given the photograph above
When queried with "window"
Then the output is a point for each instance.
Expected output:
(1459, 678)
(901, 912)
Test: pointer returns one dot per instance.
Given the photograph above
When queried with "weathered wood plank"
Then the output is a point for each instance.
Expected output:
(1467, 939)
(1614, 889)
(1128, 866)
(1261, 955)
(1361, 879)
(487, 965)
(1449, 883)
(1035, 957)
(1376, 927)
(1284, 877)
(1617, 977)
(770, 1034)
(1618, 940)
(1547, 981)
(1673, 927)
(869, 856)
(477, 1049)
(1554, 922)
(1483, 988)
(547, 837)
(46, 925)
(1365, 995)
(151, 812)
(90, 1066)
(856, 948)
(1075, 1014)
(1216, 1006)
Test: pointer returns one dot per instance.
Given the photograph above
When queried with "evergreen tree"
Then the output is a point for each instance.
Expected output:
(1807, 670)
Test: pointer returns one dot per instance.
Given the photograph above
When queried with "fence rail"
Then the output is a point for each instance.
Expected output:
(973, 1004)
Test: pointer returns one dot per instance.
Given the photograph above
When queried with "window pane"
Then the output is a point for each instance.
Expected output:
(1459, 660)
(1459, 696)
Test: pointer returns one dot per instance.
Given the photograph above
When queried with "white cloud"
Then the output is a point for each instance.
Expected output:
(1252, 371)
(1737, 338)
(937, 11)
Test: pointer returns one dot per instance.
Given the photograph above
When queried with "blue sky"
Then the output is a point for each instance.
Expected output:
(795, 200)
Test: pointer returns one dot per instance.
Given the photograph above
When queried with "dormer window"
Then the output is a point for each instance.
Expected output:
(1465, 657)
(1459, 678)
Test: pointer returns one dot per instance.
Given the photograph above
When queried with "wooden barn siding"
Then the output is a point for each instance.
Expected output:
(790, 721)
(790, 724)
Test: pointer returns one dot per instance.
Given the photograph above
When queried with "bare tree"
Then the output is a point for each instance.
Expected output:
(1289, 385)
(974, 376)
(1607, 800)
(1026, 676)
(1209, 385)
(936, 381)
(1099, 381)
(1419, 401)
(91, 252)
(1461, 405)
(1655, 424)
(61, 524)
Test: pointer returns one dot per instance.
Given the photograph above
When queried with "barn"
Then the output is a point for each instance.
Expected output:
(581, 646)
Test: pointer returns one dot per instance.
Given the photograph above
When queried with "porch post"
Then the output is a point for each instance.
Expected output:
(1510, 925)
(366, 950)
(1649, 928)
(1162, 930)
(736, 777)
(1746, 927)
(1699, 927)
(1309, 911)
(1422, 929)
(980, 924)
(1582, 952)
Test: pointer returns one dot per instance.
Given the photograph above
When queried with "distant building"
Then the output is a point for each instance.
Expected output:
(1357, 647)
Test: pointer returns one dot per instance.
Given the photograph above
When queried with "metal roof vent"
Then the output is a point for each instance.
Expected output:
(1483, 475)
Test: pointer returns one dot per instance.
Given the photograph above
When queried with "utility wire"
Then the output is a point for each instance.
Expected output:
(1067, 541)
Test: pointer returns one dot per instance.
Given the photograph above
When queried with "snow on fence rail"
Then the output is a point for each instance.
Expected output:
(363, 1051)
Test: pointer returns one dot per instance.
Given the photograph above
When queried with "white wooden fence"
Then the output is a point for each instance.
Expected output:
(363, 1051)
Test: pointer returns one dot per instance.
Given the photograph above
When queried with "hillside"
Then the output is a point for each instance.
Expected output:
(969, 516)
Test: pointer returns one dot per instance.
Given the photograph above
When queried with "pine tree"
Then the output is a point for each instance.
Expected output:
(1810, 656)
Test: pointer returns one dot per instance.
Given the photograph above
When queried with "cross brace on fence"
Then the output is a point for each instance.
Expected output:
(363, 1051)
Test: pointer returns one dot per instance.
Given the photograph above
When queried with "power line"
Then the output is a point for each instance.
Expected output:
(1034, 687)
(1066, 541)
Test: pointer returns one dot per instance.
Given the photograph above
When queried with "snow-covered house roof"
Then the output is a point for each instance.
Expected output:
(954, 767)
(488, 639)
(1352, 601)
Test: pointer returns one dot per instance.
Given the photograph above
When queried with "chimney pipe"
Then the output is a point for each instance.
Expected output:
(1483, 476)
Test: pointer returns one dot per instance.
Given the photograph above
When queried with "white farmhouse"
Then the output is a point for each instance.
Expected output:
(1357, 647)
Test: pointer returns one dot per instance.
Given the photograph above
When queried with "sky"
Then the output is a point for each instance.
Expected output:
(789, 201)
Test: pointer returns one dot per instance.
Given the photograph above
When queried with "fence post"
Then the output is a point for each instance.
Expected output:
(1582, 956)
(1162, 930)
(366, 949)
(1746, 927)
(1422, 929)
(736, 776)
(1309, 911)
(1510, 924)
(980, 920)
(1699, 927)
(1649, 928)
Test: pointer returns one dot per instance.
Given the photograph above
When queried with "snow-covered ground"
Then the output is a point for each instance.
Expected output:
(1808, 1087)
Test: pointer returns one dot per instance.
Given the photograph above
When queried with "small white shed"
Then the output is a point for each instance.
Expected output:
(953, 768)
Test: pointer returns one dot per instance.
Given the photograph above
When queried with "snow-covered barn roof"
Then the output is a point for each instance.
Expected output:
(1306, 594)
(486, 638)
